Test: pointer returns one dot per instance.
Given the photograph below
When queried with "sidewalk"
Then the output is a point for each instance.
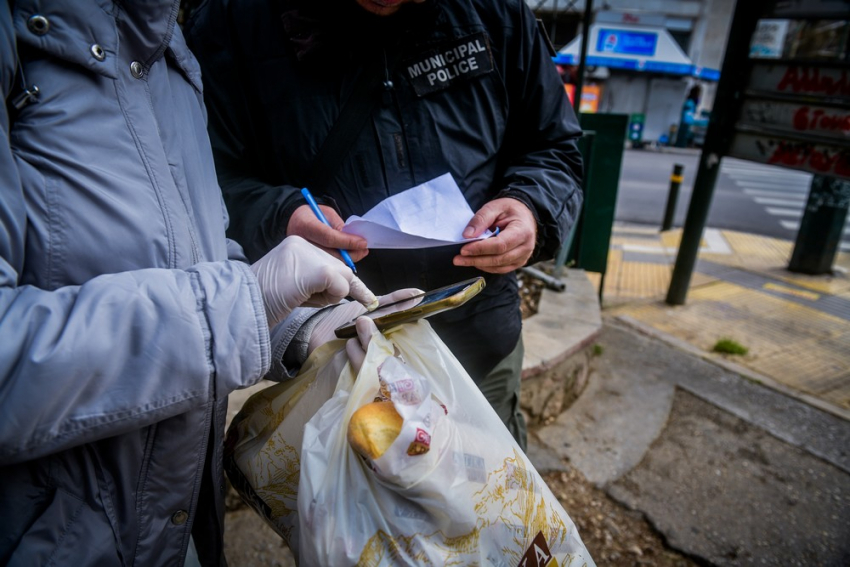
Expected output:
(796, 328)
(727, 471)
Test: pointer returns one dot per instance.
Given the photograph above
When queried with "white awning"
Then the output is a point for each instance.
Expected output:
(638, 48)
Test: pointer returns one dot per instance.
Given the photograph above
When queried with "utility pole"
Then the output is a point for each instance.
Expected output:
(733, 77)
(582, 61)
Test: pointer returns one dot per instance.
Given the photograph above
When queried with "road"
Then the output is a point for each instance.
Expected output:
(749, 197)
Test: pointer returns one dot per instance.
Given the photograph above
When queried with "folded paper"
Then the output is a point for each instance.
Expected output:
(432, 214)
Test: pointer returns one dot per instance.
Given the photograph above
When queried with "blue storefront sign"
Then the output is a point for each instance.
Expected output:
(644, 50)
(626, 42)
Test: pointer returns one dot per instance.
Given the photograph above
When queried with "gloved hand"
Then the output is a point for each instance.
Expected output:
(295, 273)
(356, 348)
(333, 317)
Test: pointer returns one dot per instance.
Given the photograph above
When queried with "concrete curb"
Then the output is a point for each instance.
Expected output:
(747, 373)
(566, 323)
(557, 340)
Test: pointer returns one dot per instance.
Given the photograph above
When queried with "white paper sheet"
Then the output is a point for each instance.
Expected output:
(428, 215)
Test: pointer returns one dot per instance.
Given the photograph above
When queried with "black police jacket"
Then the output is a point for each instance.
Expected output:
(471, 90)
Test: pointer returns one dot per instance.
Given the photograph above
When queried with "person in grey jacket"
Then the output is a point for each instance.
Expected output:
(126, 316)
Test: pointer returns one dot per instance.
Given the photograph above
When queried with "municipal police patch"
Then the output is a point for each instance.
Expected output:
(449, 62)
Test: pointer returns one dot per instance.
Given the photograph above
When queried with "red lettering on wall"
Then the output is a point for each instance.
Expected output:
(842, 166)
(812, 81)
(786, 154)
(801, 118)
(822, 161)
(807, 156)
(818, 120)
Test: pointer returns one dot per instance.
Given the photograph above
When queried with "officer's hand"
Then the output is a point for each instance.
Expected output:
(304, 223)
(295, 273)
(356, 348)
(333, 317)
(508, 250)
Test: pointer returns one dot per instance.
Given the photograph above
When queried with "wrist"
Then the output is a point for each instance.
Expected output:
(299, 348)
(296, 203)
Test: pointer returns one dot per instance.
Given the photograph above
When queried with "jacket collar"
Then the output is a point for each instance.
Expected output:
(341, 26)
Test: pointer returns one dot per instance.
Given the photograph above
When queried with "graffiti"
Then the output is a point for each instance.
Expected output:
(829, 193)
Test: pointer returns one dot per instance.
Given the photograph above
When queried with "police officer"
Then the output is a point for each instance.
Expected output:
(463, 86)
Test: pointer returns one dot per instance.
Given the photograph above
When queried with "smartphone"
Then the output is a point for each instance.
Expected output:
(417, 307)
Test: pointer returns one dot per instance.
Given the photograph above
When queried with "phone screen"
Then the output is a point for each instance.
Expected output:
(419, 305)
(415, 301)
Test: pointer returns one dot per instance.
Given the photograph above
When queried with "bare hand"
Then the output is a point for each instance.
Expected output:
(304, 223)
(507, 251)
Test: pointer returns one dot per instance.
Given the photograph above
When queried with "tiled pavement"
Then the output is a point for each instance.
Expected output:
(796, 328)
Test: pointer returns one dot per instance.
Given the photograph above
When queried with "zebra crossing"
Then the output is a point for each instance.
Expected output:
(783, 197)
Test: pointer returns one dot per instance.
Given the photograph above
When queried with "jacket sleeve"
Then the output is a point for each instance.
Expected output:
(290, 337)
(543, 163)
(234, 249)
(121, 351)
(259, 210)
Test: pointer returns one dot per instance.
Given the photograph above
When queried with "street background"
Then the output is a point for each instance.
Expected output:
(675, 455)
(761, 199)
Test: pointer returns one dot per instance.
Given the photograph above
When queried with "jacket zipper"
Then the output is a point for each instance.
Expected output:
(391, 94)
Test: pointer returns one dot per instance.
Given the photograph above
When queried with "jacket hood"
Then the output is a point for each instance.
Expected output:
(73, 31)
(151, 31)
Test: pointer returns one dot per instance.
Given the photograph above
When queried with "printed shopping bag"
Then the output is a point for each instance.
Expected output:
(263, 443)
(471, 498)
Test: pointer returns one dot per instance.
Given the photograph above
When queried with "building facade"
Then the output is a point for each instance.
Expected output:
(645, 59)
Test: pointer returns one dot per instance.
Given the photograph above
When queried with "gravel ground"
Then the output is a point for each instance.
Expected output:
(614, 535)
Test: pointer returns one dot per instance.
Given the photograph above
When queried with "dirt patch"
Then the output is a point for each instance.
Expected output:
(614, 535)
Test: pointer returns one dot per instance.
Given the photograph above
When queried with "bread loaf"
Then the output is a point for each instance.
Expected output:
(373, 428)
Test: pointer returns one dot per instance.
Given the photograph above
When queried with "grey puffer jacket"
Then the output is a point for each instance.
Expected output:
(126, 316)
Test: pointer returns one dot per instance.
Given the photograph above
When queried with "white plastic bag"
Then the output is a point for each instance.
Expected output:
(262, 454)
(473, 499)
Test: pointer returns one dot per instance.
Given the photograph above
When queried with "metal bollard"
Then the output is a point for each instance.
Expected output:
(670, 211)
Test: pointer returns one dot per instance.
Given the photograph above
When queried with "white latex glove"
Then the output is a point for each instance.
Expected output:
(356, 348)
(295, 273)
(333, 317)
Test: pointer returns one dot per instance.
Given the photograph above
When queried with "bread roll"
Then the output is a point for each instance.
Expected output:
(373, 428)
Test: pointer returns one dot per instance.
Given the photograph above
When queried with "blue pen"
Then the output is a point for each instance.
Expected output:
(315, 207)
